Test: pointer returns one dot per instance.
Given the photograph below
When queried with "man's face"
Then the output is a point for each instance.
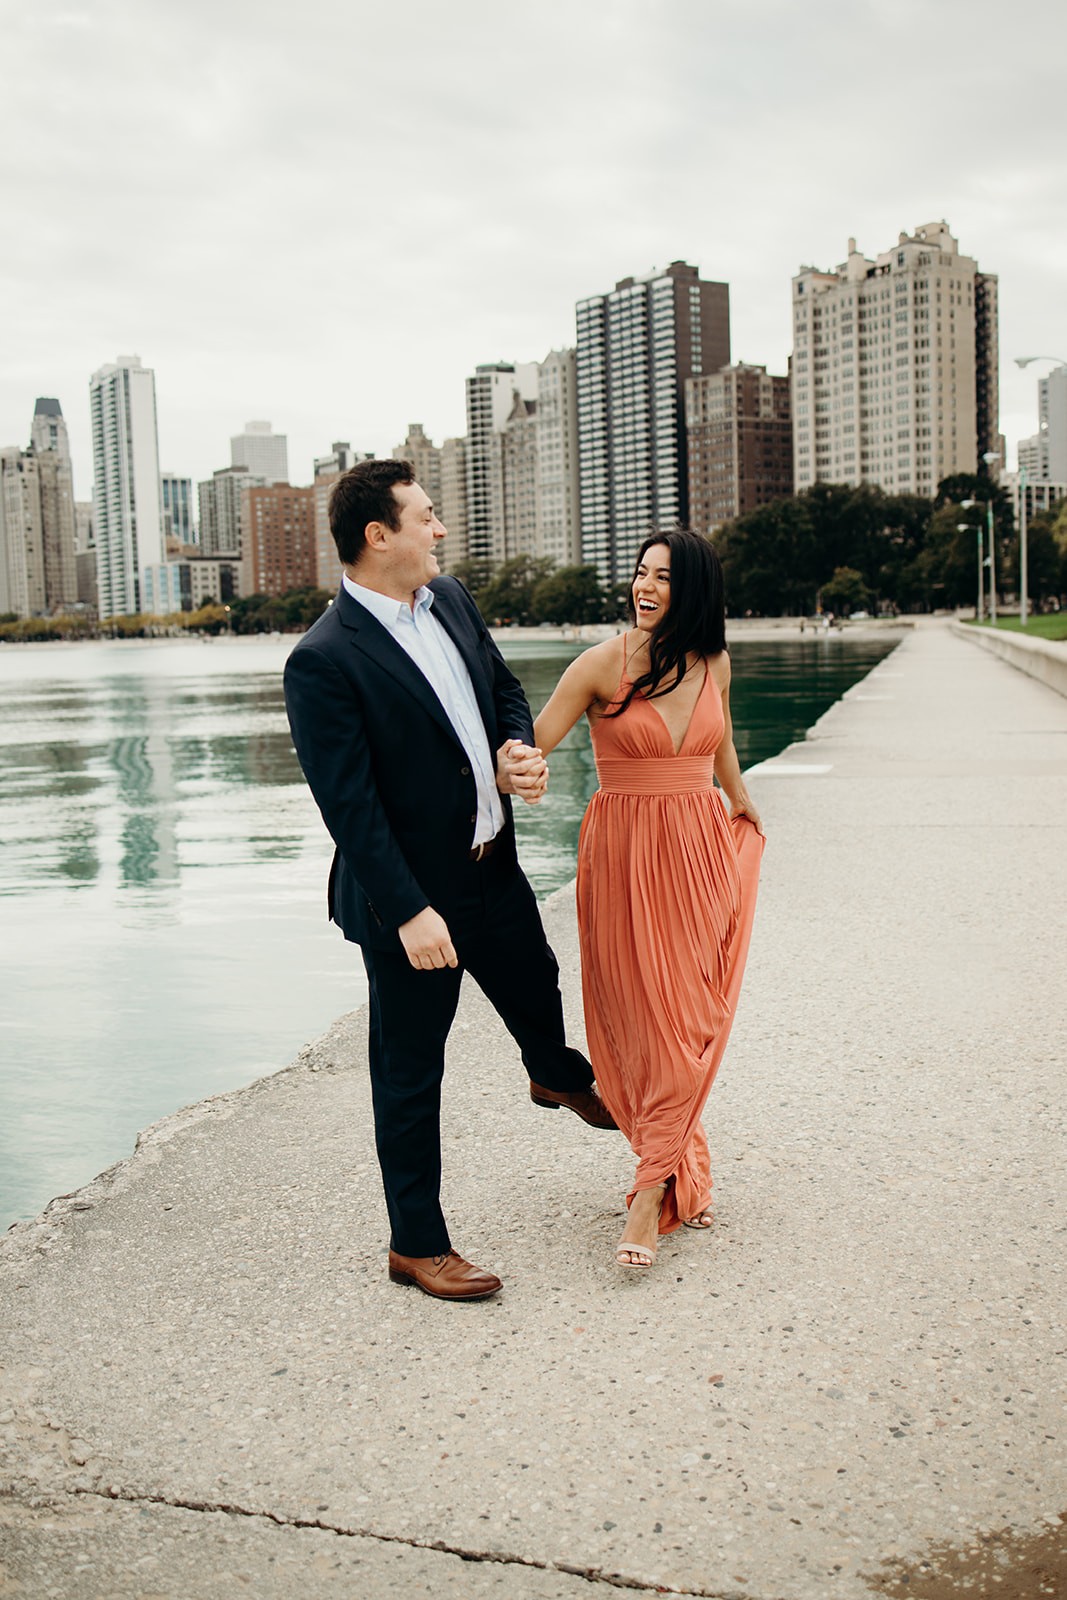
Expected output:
(412, 547)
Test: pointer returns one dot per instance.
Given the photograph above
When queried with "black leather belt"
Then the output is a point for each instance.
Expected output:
(482, 851)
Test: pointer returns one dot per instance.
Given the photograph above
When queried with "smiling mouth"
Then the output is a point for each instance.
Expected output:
(647, 605)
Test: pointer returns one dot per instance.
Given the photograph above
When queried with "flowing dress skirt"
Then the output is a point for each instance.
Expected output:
(666, 898)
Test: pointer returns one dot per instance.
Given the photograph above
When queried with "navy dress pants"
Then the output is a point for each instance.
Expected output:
(500, 941)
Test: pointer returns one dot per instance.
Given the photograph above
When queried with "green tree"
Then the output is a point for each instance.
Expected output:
(573, 594)
(304, 606)
(508, 596)
(475, 573)
(893, 574)
(617, 601)
(1046, 562)
(976, 486)
(947, 568)
(845, 591)
(771, 561)
(209, 618)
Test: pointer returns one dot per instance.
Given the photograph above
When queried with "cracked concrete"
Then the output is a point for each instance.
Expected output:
(861, 1362)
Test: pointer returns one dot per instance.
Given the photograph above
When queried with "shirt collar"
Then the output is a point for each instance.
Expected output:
(382, 606)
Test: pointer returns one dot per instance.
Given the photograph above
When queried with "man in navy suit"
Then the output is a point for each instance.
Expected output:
(413, 736)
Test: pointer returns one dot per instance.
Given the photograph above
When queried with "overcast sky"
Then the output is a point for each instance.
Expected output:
(326, 214)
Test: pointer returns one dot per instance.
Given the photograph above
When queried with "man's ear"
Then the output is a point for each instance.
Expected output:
(376, 535)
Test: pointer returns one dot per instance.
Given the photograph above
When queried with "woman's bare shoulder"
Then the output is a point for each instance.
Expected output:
(719, 667)
(602, 664)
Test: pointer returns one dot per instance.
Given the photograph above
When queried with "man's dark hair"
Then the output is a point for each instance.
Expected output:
(365, 494)
(696, 616)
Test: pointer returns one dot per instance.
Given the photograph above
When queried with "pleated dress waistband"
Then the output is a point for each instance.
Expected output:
(655, 774)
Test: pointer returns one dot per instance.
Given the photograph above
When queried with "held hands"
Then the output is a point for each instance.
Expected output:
(521, 770)
(427, 941)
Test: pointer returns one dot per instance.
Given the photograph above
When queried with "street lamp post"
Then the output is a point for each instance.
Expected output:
(969, 527)
(989, 458)
(1024, 361)
(1022, 549)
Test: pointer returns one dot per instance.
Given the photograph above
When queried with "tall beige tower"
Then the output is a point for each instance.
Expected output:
(559, 499)
(454, 503)
(894, 367)
(425, 457)
(38, 571)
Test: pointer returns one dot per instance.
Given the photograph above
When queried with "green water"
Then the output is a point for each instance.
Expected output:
(163, 876)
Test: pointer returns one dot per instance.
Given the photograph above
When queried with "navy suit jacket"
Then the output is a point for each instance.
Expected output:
(390, 776)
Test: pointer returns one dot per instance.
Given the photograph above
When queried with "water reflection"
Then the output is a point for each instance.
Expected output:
(163, 871)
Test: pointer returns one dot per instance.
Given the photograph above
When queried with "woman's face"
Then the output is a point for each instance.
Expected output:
(652, 587)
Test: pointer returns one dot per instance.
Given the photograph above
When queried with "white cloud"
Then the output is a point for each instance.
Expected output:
(329, 214)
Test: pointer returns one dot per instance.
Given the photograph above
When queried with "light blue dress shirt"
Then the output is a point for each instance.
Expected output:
(434, 651)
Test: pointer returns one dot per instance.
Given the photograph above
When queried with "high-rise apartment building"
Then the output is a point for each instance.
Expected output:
(21, 536)
(262, 452)
(328, 568)
(328, 469)
(519, 485)
(740, 443)
(637, 345)
(559, 491)
(57, 529)
(895, 366)
(1044, 455)
(126, 492)
(85, 554)
(454, 503)
(521, 463)
(278, 547)
(38, 571)
(221, 502)
(178, 526)
(491, 395)
(425, 457)
(49, 430)
(341, 457)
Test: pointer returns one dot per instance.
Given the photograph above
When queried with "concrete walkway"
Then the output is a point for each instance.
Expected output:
(209, 1387)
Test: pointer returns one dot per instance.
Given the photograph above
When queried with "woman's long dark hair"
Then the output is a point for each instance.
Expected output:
(696, 617)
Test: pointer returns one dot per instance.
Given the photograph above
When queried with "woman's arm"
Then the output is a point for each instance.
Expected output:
(728, 768)
(581, 686)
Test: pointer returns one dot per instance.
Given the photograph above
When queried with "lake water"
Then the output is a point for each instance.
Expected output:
(163, 875)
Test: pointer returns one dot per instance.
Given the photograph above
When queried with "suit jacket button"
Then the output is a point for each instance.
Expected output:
(464, 772)
(475, 817)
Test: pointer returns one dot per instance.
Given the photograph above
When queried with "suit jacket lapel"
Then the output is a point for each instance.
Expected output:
(374, 641)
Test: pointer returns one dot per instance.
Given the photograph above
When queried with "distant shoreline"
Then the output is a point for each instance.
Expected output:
(761, 630)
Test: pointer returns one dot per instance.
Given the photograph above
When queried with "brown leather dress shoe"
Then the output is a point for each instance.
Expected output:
(586, 1103)
(445, 1277)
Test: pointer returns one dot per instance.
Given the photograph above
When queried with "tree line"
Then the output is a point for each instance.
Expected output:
(293, 612)
(833, 547)
(850, 548)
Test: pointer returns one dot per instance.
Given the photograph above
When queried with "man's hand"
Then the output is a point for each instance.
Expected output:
(427, 941)
(521, 770)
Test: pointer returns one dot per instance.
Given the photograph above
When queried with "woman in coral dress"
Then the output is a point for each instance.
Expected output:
(666, 879)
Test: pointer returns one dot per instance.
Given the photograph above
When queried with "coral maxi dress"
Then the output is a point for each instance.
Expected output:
(666, 896)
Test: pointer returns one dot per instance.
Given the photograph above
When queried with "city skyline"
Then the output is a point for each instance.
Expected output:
(351, 327)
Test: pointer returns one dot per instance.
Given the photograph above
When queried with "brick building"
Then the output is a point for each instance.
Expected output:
(740, 443)
(278, 540)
